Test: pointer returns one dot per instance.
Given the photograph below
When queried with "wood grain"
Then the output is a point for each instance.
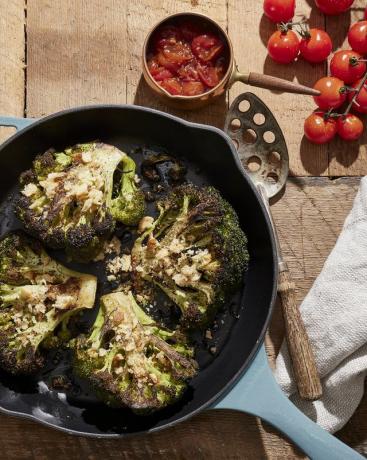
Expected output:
(309, 218)
(12, 46)
(83, 52)
(250, 33)
(77, 54)
(346, 159)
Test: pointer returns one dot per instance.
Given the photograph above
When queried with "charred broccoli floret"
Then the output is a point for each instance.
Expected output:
(36, 295)
(71, 199)
(128, 203)
(130, 361)
(195, 251)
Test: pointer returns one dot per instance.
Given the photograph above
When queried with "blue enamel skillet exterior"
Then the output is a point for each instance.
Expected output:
(250, 386)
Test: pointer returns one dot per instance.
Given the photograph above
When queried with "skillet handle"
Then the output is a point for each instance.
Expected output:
(18, 123)
(257, 393)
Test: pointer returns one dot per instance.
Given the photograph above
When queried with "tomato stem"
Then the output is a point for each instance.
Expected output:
(285, 26)
(358, 90)
(353, 61)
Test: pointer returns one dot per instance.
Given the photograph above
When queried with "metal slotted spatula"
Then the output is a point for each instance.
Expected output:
(263, 153)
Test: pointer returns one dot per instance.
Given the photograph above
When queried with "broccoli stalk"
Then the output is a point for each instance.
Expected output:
(66, 199)
(130, 360)
(195, 251)
(129, 205)
(36, 295)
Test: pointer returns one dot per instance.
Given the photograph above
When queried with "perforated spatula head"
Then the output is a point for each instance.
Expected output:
(259, 141)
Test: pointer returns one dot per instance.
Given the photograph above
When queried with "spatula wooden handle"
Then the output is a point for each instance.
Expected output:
(303, 360)
(279, 84)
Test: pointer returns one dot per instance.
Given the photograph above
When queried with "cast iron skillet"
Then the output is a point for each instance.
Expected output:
(238, 377)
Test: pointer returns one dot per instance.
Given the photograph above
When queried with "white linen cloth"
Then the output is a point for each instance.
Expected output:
(335, 316)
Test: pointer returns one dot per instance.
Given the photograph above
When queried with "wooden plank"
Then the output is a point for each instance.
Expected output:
(346, 158)
(141, 18)
(250, 32)
(12, 39)
(309, 218)
(76, 54)
(89, 52)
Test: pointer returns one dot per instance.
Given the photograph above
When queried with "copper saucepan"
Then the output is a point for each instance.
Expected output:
(231, 76)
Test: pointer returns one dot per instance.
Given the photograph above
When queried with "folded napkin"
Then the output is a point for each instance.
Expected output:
(335, 316)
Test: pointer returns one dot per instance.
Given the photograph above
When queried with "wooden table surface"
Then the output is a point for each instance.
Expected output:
(56, 54)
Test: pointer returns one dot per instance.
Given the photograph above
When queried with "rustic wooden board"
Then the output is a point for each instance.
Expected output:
(350, 159)
(89, 52)
(309, 217)
(76, 53)
(12, 46)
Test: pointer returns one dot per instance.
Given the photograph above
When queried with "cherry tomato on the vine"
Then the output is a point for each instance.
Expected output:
(333, 93)
(279, 10)
(347, 66)
(357, 37)
(334, 6)
(316, 45)
(350, 127)
(283, 47)
(360, 104)
(319, 128)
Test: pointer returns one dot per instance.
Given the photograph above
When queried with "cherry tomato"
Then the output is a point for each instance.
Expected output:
(319, 129)
(164, 62)
(357, 37)
(221, 67)
(365, 13)
(279, 10)
(189, 71)
(350, 127)
(162, 74)
(189, 30)
(208, 75)
(283, 47)
(345, 65)
(317, 46)
(165, 33)
(332, 92)
(158, 72)
(334, 6)
(360, 104)
(177, 52)
(192, 88)
(206, 47)
(172, 85)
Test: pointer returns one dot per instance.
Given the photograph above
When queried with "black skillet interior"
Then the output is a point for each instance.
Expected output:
(239, 328)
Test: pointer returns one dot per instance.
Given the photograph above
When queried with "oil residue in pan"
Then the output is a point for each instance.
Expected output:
(56, 385)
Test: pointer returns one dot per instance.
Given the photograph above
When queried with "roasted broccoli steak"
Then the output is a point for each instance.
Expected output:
(195, 251)
(72, 199)
(130, 361)
(37, 294)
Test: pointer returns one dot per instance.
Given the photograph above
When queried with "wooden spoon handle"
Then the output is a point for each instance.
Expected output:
(279, 84)
(303, 360)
